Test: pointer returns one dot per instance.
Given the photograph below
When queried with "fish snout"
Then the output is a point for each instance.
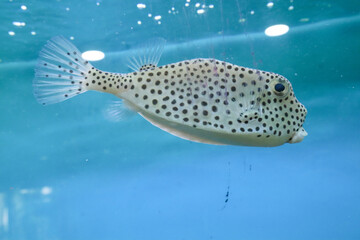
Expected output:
(298, 136)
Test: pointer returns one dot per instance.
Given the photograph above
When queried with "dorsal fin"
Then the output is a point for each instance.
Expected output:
(147, 55)
(146, 67)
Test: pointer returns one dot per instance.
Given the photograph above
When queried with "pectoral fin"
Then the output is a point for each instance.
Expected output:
(249, 115)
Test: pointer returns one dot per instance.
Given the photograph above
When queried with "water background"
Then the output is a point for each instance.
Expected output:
(68, 173)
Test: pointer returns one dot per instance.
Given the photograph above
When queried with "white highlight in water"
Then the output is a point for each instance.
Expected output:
(141, 6)
(304, 19)
(23, 7)
(150, 15)
(67, 9)
(19, 24)
(276, 30)
(158, 17)
(5, 219)
(197, 5)
(200, 11)
(186, 4)
(33, 33)
(93, 55)
(46, 190)
(11, 33)
(25, 191)
(72, 38)
(252, 12)
(139, 22)
(270, 4)
(211, 6)
(291, 8)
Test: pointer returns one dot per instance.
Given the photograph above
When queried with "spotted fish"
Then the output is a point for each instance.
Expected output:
(202, 100)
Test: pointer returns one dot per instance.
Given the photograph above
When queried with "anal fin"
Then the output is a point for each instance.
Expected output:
(117, 111)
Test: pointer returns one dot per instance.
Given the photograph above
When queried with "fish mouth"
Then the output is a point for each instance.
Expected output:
(298, 136)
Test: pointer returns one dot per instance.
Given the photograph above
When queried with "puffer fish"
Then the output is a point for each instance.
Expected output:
(202, 100)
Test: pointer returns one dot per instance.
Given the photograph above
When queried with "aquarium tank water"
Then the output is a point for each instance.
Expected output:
(71, 171)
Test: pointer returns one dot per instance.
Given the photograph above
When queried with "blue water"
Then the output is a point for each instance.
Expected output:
(68, 173)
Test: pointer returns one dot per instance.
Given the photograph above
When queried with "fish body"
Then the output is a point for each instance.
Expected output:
(203, 100)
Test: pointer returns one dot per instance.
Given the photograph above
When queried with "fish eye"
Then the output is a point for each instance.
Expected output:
(279, 87)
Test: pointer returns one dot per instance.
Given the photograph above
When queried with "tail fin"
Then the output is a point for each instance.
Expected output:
(60, 72)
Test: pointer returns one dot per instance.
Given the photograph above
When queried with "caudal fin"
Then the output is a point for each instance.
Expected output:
(60, 72)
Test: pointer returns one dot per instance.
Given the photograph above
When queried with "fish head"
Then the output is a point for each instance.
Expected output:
(283, 115)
